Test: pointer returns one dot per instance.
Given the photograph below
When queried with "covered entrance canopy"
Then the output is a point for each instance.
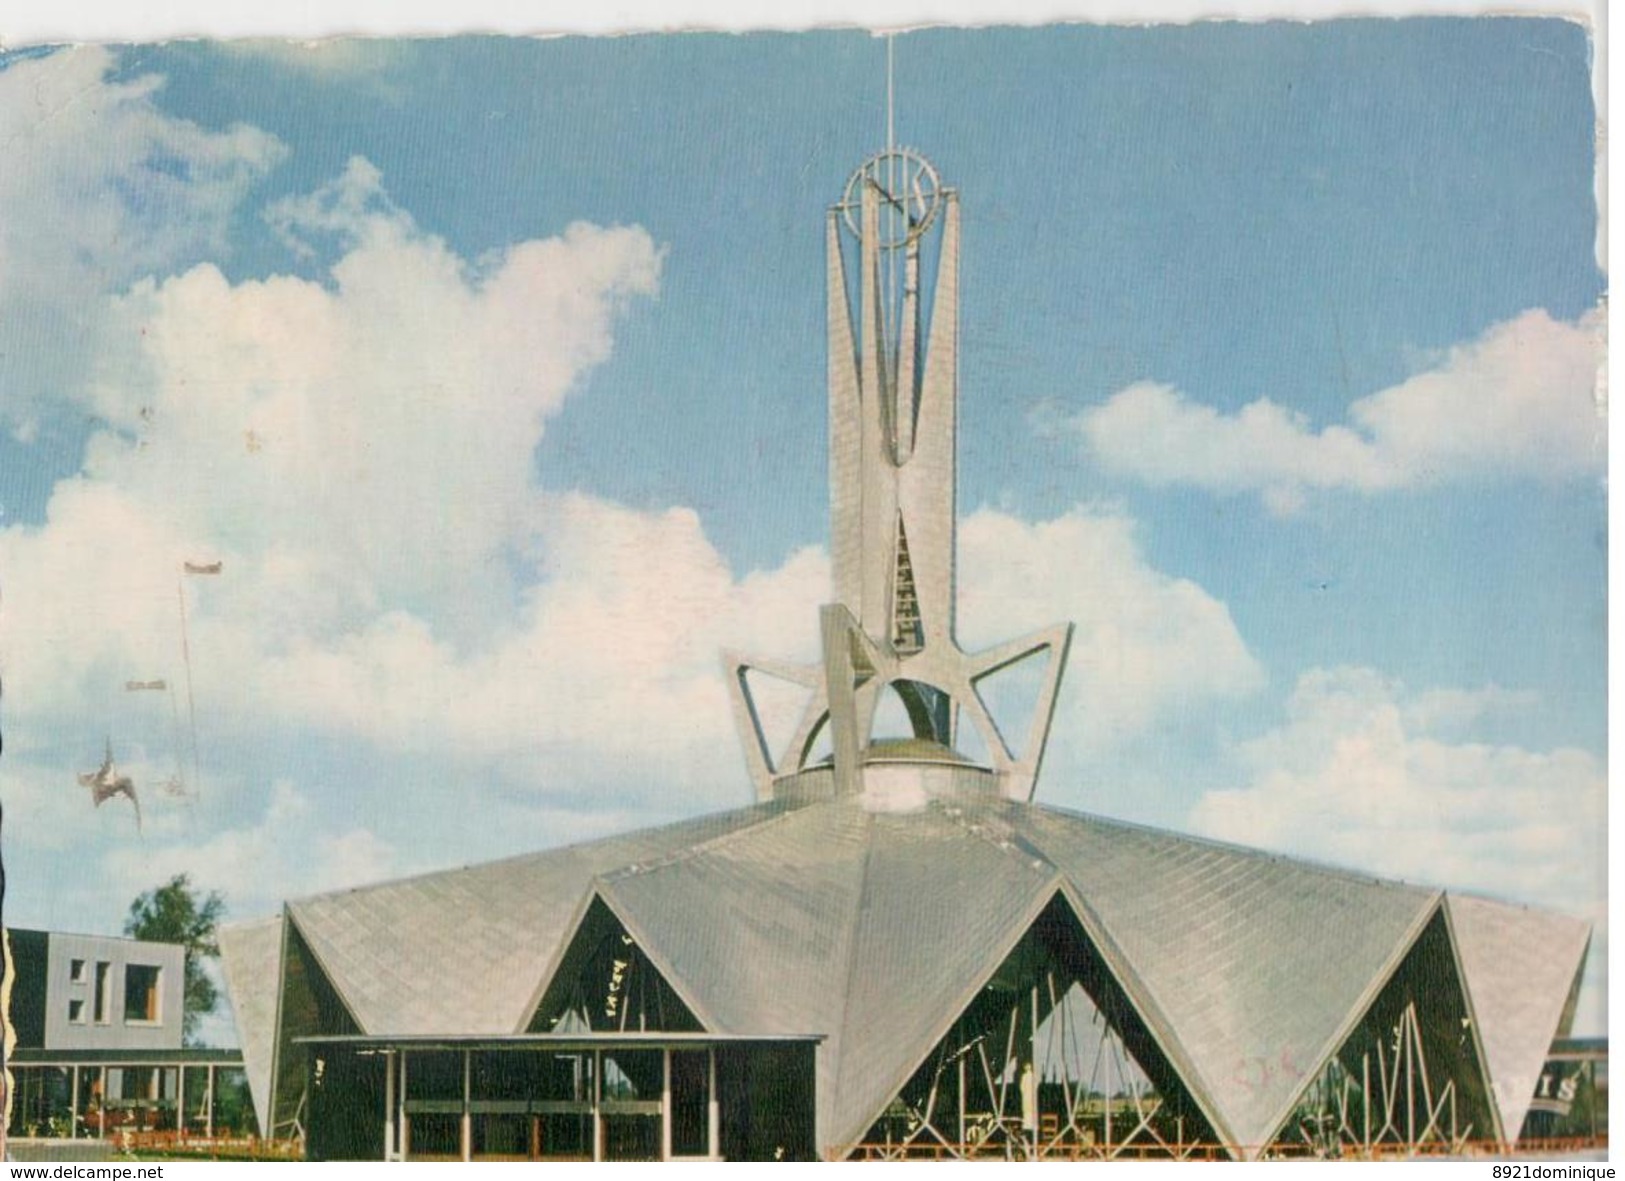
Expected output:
(623, 1096)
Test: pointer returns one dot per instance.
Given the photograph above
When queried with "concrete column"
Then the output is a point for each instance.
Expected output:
(468, 1118)
(597, 1101)
(665, 1103)
(713, 1112)
(180, 1100)
(73, 1107)
(101, 1109)
(208, 1103)
(389, 1105)
(406, 1120)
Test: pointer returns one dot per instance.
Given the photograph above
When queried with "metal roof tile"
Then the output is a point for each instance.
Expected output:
(1254, 962)
(1521, 965)
(251, 956)
(463, 951)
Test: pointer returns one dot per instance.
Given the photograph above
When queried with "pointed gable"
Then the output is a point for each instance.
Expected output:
(1521, 965)
(1253, 965)
(754, 925)
(462, 952)
(251, 958)
(946, 894)
(871, 930)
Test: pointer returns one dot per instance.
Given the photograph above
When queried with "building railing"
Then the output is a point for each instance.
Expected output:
(188, 1144)
(938, 1150)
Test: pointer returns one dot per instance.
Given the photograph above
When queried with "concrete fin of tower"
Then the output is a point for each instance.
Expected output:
(893, 394)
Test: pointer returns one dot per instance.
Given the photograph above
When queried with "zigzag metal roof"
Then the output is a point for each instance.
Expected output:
(758, 928)
(945, 901)
(1521, 965)
(875, 930)
(1253, 965)
(462, 951)
(251, 955)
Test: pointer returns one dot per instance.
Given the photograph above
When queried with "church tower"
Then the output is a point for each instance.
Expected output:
(893, 405)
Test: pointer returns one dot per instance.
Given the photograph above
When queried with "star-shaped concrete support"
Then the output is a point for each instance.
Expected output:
(844, 690)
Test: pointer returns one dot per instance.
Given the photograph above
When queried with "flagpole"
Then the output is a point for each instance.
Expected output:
(186, 659)
(191, 709)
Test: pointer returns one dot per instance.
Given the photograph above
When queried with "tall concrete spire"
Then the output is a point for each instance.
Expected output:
(892, 442)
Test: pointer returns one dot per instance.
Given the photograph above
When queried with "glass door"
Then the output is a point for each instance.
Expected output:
(691, 1103)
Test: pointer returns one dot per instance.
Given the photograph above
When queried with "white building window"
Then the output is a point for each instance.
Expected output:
(141, 994)
(104, 992)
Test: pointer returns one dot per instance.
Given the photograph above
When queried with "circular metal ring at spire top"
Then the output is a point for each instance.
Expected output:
(909, 192)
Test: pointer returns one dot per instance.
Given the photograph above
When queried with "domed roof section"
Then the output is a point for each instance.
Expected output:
(913, 750)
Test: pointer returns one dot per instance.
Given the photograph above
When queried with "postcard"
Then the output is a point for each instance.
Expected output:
(978, 592)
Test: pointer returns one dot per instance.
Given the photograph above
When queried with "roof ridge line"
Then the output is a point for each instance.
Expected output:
(1253, 851)
(683, 853)
(1052, 887)
(1148, 1005)
(1474, 1026)
(1015, 846)
(1514, 904)
(1434, 907)
(849, 944)
(674, 980)
(555, 959)
(296, 929)
(469, 866)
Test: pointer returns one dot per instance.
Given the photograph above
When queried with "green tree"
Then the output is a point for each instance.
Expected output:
(173, 913)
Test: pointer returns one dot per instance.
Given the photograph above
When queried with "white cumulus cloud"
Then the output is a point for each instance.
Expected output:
(99, 187)
(288, 850)
(1359, 775)
(358, 449)
(1147, 646)
(1520, 401)
(348, 451)
(1366, 774)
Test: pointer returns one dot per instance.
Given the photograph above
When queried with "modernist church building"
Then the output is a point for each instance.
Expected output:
(895, 951)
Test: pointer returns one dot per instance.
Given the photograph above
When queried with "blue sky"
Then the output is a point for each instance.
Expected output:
(493, 371)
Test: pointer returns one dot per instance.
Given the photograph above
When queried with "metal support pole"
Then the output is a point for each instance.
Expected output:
(961, 1138)
(1032, 1060)
(180, 1099)
(468, 1118)
(597, 1105)
(1410, 1088)
(1365, 1098)
(1106, 1091)
(73, 1107)
(208, 1117)
(406, 1120)
(713, 1112)
(101, 1109)
(665, 1103)
(389, 1105)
